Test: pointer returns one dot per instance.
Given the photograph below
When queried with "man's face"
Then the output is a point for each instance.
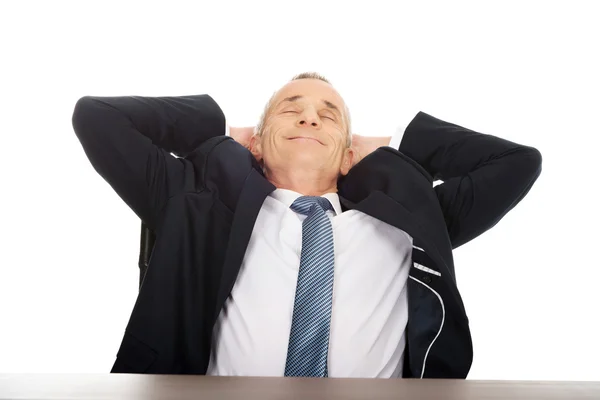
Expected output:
(305, 127)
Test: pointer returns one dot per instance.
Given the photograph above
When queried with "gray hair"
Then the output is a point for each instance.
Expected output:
(260, 127)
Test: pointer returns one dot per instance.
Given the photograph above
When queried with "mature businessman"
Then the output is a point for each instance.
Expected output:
(293, 250)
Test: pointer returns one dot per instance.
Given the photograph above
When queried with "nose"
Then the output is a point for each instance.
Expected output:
(309, 118)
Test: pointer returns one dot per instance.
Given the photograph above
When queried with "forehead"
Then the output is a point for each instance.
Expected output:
(312, 89)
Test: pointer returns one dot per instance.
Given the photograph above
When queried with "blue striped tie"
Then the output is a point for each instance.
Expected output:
(309, 336)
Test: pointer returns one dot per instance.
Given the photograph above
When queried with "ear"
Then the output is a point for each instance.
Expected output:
(347, 161)
(255, 147)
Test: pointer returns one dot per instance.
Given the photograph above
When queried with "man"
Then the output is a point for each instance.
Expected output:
(293, 251)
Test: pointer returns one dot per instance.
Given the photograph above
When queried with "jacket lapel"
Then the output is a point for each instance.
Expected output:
(391, 187)
(379, 205)
(256, 188)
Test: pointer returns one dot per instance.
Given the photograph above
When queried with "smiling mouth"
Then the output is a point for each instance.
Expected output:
(305, 138)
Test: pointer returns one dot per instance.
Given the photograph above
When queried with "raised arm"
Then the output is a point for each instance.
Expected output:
(129, 139)
(484, 176)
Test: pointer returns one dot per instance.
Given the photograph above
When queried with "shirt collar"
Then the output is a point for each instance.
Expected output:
(288, 197)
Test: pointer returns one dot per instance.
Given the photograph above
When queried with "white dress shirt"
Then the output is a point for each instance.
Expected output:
(369, 305)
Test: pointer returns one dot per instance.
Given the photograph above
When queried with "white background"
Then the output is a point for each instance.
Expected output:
(524, 71)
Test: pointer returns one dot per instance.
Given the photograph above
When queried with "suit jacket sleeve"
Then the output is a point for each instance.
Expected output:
(483, 176)
(129, 141)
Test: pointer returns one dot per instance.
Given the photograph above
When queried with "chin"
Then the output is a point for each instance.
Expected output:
(308, 160)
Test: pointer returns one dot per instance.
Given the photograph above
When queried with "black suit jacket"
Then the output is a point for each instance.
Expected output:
(202, 206)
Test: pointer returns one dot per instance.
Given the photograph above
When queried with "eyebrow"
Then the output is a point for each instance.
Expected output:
(327, 103)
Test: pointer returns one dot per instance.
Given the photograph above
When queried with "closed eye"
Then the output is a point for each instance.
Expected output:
(296, 112)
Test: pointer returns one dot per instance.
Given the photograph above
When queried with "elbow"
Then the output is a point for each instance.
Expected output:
(527, 166)
(82, 114)
(533, 162)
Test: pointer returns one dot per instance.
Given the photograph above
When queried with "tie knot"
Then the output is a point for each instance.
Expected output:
(305, 204)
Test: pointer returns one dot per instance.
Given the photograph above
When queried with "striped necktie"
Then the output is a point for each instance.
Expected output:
(309, 335)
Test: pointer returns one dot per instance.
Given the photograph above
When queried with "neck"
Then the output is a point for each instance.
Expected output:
(307, 183)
